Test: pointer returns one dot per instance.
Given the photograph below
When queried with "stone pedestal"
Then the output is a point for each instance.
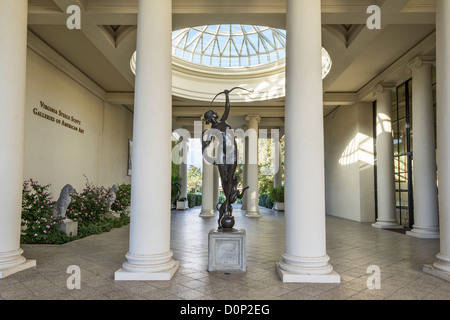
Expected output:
(112, 215)
(226, 251)
(70, 227)
(279, 206)
(182, 205)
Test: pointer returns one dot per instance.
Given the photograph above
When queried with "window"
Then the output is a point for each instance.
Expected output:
(403, 153)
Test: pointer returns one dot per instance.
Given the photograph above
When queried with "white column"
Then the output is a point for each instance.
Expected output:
(245, 169)
(278, 169)
(426, 217)
(207, 184)
(252, 173)
(305, 258)
(149, 256)
(13, 61)
(385, 160)
(183, 171)
(441, 267)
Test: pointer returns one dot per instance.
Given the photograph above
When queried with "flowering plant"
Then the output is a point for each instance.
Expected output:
(123, 198)
(38, 223)
(89, 205)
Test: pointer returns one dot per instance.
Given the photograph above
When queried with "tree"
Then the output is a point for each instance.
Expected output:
(194, 179)
(265, 168)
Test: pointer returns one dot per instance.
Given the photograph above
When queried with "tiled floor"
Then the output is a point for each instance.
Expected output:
(352, 247)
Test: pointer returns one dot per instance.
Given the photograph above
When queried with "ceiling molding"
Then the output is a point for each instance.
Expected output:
(344, 34)
(123, 32)
(63, 4)
(266, 83)
(339, 98)
(126, 98)
(198, 111)
(397, 71)
(109, 34)
(124, 12)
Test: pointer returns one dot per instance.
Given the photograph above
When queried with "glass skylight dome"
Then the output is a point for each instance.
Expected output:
(229, 45)
(208, 58)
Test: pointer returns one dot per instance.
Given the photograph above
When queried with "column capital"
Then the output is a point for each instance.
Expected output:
(383, 87)
(253, 117)
(419, 61)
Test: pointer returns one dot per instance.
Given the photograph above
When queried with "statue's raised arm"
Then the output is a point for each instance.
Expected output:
(227, 101)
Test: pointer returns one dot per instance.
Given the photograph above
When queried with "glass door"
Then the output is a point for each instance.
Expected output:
(403, 154)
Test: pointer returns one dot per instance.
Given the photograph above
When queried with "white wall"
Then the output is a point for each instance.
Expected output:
(57, 155)
(349, 168)
(117, 130)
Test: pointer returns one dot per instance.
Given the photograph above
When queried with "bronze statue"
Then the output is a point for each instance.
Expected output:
(228, 156)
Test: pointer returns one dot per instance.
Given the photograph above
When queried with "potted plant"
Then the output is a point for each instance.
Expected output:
(182, 204)
(277, 196)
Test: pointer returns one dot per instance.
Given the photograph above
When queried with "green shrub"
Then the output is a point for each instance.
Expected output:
(194, 199)
(88, 228)
(277, 194)
(87, 208)
(38, 223)
(175, 189)
(265, 201)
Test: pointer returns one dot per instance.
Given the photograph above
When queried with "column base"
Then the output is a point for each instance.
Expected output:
(286, 276)
(424, 233)
(207, 213)
(13, 262)
(151, 267)
(387, 225)
(437, 269)
(252, 214)
(122, 274)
